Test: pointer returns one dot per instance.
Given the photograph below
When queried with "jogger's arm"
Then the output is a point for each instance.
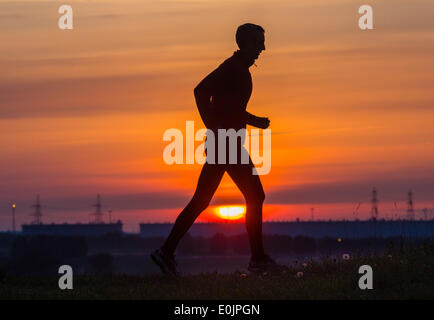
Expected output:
(259, 122)
(203, 93)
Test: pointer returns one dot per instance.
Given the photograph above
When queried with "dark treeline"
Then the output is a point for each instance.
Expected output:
(42, 255)
(219, 244)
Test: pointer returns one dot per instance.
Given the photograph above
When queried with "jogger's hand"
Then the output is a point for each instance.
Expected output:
(263, 122)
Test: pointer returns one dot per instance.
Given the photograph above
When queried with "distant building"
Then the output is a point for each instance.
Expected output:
(77, 229)
(313, 229)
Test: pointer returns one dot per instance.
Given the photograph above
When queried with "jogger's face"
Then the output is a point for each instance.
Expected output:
(257, 46)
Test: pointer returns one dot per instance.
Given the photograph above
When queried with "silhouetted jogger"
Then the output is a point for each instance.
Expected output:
(222, 99)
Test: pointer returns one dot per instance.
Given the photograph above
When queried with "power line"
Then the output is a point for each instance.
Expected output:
(37, 214)
(374, 204)
(410, 208)
(98, 211)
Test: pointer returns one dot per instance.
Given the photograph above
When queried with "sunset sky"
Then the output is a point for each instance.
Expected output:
(83, 111)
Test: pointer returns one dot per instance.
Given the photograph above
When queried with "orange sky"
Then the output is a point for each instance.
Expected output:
(84, 111)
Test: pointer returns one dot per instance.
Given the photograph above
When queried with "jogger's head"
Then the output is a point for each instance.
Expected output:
(250, 39)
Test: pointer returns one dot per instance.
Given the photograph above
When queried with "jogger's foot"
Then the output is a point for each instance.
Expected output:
(264, 264)
(166, 262)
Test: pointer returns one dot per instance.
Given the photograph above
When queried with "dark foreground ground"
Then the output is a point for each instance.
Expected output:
(399, 275)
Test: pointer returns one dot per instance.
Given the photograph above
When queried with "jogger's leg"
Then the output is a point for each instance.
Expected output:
(207, 184)
(251, 187)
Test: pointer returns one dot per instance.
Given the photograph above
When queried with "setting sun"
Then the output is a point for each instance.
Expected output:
(231, 212)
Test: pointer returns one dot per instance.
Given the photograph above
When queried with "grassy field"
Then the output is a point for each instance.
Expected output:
(405, 275)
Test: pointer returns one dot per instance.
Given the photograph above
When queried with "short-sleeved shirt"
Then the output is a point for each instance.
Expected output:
(230, 86)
